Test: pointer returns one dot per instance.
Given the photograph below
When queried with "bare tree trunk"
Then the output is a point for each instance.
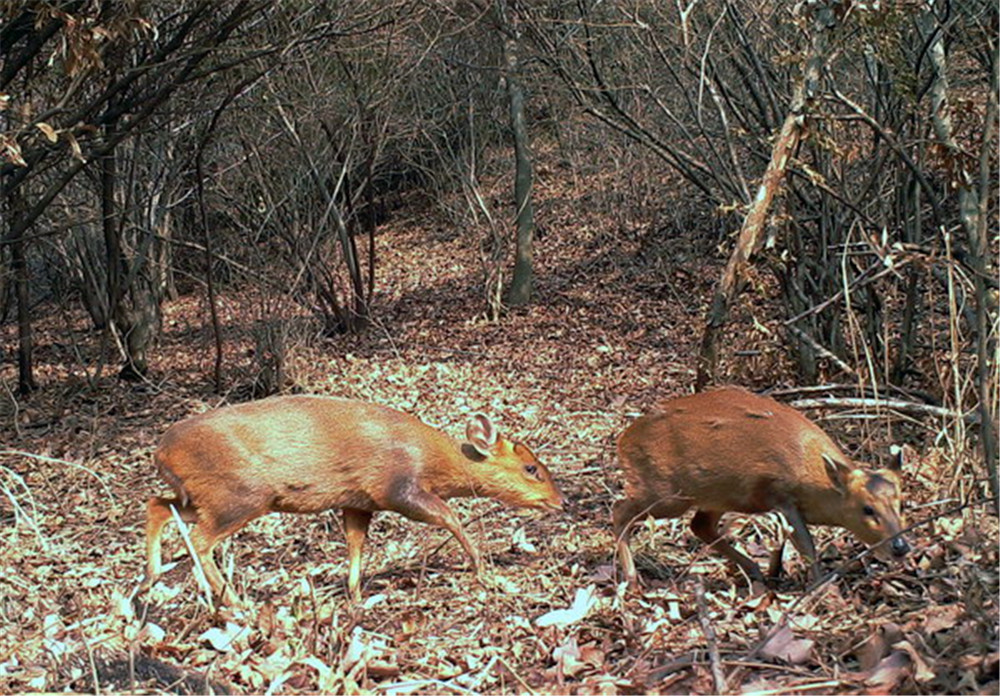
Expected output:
(523, 279)
(6, 276)
(133, 298)
(910, 213)
(120, 318)
(752, 232)
(160, 220)
(26, 345)
(973, 212)
(985, 322)
(357, 315)
(112, 242)
(19, 268)
(209, 256)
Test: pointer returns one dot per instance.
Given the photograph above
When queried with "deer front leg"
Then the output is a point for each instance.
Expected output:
(801, 537)
(419, 505)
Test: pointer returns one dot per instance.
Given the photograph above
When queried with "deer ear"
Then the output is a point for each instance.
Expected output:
(481, 433)
(838, 472)
(898, 457)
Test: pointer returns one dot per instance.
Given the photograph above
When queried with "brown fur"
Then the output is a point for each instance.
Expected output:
(732, 451)
(307, 454)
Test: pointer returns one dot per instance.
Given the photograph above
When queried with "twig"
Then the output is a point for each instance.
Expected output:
(484, 672)
(54, 460)
(15, 421)
(896, 404)
(199, 572)
(864, 278)
(863, 390)
(756, 664)
(718, 677)
(676, 665)
(422, 686)
(918, 174)
(820, 349)
(814, 686)
(20, 512)
(524, 685)
(93, 665)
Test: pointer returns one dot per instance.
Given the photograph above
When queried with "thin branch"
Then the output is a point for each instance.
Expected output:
(718, 678)
(884, 404)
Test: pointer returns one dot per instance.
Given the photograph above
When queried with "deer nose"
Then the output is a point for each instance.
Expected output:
(899, 547)
(559, 503)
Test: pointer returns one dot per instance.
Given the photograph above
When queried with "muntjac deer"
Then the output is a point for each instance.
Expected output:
(308, 454)
(732, 451)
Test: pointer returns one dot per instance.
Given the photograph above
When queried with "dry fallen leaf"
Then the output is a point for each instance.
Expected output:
(520, 541)
(327, 676)
(890, 673)
(602, 573)
(583, 602)
(871, 652)
(152, 633)
(225, 639)
(941, 617)
(567, 657)
(784, 646)
(922, 672)
(48, 131)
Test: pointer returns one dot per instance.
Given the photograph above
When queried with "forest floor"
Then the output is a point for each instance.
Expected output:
(613, 330)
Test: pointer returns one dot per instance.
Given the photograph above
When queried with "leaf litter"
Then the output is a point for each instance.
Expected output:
(565, 375)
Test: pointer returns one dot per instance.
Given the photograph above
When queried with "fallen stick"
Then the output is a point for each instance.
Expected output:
(894, 404)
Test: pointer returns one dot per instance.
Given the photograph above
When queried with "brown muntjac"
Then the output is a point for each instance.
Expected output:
(732, 451)
(308, 454)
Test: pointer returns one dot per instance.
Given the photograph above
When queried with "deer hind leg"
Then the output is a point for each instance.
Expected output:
(625, 514)
(204, 541)
(705, 525)
(158, 513)
(356, 530)
(207, 530)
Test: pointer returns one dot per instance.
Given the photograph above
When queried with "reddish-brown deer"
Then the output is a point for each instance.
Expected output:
(307, 454)
(732, 451)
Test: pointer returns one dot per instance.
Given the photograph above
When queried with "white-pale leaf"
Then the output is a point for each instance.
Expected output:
(583, 602)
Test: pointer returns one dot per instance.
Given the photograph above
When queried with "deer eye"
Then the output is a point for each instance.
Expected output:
(531, 470)
(868, 510)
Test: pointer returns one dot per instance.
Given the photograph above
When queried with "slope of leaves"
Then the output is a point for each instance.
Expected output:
(613, 330)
